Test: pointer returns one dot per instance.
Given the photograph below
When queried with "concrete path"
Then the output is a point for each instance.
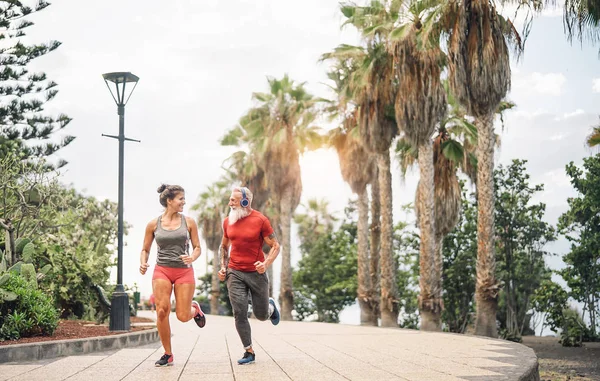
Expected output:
(296, 351)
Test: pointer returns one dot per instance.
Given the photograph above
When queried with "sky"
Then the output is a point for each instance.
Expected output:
(200, 62)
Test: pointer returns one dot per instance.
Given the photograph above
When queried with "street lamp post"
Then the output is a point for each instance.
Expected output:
(119, 311)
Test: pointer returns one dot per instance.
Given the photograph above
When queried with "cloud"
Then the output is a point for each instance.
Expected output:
(541, 83)
(570, 115)
(596, 85)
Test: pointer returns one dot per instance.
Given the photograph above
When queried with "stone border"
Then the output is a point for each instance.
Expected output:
(57, 348)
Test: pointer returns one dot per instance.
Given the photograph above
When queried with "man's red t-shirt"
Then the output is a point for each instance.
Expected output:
(247, 237)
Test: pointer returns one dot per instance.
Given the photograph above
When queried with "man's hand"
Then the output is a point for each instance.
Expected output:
(222, 273)
(260, 267)
(143, 268)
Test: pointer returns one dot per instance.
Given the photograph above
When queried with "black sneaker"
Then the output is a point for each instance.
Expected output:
(247, 359)
(165, 360)
(199, 318)
(275, 315)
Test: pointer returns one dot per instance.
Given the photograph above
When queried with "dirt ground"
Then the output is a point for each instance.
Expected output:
(75, 329)
(558, 363)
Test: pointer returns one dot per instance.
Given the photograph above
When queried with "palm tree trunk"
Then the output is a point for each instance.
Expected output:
(486, 292)
(375, 246)
(364, 290)
(438, 264)
(215, 290)
(286, 291)
(389, 288)
(277, 228)
(429, 278)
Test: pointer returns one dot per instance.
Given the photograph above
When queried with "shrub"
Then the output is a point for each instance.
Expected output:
(32, 313)
(573, 329)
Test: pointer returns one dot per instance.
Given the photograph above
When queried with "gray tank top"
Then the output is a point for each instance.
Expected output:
(171, 244)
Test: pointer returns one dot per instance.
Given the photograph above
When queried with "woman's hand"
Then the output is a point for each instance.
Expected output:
(143, 268)
(187, 259)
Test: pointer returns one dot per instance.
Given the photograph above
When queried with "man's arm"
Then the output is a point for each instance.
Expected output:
(271, 240)
(224, 252)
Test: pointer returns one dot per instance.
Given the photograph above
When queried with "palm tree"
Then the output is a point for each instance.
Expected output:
(582, 20)
(316, 220)
(279, 128)
(244, 168)
(212, 204)
(479, 77)
(374, 246)
(453, 148)
(373, 87)
(420, 104)
(357, 168)
(593, 139)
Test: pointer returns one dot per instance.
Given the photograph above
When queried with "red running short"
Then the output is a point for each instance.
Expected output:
(175, 275)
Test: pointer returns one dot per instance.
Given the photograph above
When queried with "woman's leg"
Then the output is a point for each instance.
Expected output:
(162, 293)
(184, 292)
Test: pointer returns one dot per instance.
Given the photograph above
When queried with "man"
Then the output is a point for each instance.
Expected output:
(244, 266)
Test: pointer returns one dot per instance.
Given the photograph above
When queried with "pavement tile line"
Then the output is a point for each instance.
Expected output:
(312, 357)
(393, 350)
(230, 359)
(24, 372)
(87, 367)
(366, 361)
(276, 363)
(142, 362)
(489, 351)
(107, 358)
(188, 358)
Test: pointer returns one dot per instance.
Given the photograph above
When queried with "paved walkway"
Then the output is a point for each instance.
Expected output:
(296, 351)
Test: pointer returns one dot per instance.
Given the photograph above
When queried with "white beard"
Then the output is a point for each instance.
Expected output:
(237, 214)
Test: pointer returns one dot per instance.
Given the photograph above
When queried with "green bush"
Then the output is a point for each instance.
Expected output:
(573, 329)
(32, 313)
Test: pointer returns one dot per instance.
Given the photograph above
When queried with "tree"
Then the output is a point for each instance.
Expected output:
(479, 77)
(357, 167)
(281, 125)
(453, 148)
(593, 139)
(22, 118)
(373, 88)
(80, 251)
(29, 201)
(212, 204)
(244, 166)
(550, 299)
(326, 274)
(459, 275)
(420, 105)
(581, 226)
(315, 222)
(521, 235)
(406, 247)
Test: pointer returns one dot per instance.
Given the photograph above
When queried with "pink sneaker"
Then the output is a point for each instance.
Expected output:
(199, 318)
(165, 360)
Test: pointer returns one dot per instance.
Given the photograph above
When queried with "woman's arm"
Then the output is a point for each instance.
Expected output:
(193, 231)
(148, 238)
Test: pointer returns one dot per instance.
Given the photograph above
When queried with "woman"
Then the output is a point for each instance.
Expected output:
(173, 232)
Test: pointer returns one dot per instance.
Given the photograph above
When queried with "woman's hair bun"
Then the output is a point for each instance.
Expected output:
(162, 188)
